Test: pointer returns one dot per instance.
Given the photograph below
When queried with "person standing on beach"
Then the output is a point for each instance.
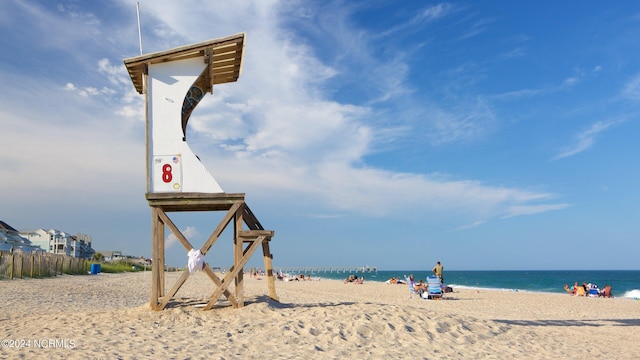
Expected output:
(438, 271)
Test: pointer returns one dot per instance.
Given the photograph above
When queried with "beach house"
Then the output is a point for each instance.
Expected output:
(11, 240)
(61, 243)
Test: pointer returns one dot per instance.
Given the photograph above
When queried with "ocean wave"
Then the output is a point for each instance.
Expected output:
(633, 294)
(456, 286)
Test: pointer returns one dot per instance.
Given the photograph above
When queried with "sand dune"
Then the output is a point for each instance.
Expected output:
(107, 316)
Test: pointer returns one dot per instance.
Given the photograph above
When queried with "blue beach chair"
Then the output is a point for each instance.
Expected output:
(434, 288)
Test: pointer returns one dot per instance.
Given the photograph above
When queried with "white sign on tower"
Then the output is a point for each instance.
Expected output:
(167, 173)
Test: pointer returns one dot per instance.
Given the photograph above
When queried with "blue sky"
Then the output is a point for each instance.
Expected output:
(484, 134)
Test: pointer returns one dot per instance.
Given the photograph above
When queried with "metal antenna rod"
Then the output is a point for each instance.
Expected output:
(139, 31)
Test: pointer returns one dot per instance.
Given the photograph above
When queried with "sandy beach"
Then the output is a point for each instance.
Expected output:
(107, 316)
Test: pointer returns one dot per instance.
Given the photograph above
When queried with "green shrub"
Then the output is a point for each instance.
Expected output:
(119, 267)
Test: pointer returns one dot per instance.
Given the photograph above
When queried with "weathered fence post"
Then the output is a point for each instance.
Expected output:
(11, 269)
(21, 265)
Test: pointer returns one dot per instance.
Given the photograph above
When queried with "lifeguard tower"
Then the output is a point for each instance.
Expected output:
(173, 82)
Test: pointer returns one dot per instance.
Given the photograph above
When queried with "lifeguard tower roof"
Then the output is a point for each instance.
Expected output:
(223, 55)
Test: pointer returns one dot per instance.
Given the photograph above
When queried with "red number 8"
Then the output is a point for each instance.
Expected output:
(166, 173)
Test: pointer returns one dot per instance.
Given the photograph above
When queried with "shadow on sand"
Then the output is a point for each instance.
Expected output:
(591, 322)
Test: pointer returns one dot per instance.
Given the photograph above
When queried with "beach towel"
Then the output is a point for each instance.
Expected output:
(196, 260)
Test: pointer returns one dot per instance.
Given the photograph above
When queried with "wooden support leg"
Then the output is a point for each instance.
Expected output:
(237, 256)
(268, 257)
(161, 254)
(155, 270)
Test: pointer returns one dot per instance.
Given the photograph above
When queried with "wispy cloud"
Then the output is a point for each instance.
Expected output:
(422, 17)
(280, 120)
(587, 138)
(469, 226)
(564, 85)
(631, 89)
(465, 123)
(517, 52)
(521, 210)
(476, 29)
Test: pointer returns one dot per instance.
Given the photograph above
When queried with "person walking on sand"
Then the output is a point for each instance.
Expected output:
(438, 271)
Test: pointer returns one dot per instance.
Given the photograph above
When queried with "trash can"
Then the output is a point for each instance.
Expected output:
(95, 268)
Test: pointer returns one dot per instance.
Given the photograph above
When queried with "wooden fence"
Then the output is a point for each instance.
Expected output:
(35, 265)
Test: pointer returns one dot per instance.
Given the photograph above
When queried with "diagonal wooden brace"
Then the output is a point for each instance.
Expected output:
(174, 289)
(219, 229)
(234, 271)
(174, 229)
(209, 271)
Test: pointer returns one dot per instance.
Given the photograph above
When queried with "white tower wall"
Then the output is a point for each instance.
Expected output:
(173, 166)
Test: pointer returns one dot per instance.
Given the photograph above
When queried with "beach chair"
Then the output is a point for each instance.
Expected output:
(434, 288)
(412, 289)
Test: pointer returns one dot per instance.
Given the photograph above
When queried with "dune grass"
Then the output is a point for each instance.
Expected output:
(119, 267)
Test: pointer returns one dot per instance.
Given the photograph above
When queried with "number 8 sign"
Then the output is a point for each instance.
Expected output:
(167, 173)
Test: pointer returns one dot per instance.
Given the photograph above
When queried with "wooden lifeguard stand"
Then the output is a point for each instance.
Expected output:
(174, 82)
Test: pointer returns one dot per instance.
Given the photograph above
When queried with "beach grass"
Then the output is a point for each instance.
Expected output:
(119, 267)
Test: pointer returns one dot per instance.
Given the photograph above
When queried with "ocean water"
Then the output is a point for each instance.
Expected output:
(624, 283)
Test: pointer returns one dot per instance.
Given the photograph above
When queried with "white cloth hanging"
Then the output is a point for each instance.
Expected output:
(196, 260)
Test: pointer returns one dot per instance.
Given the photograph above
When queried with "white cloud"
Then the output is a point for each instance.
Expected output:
(423, 17)
(520, 210)
(469, 226)
(277, 132)
(587, 138)
(279, 121)
(631, 89)
(189, 232)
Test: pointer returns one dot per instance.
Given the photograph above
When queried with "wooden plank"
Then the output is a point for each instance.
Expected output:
(250, 219)
(250, 235)
(174, 229)
(227, 67)
(268, 257)
(153, 301)
(216, 280)
(174, 289)
(161, 282)
(21, 256)
(233, 272)
(230, 55)
(221, 226)
(147, 126)
(171, 202)
(229, 43)
(237, 256)
(194, 196)
(137, 67)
